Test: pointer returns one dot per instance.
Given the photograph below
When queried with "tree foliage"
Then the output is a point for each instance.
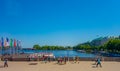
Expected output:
(111, 44)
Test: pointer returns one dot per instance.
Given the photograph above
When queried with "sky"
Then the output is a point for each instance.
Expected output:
(58, 22)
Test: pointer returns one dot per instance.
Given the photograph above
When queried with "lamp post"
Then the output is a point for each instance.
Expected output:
(68, 54)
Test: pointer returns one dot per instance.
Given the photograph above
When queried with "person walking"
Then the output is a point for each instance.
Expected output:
(77, 59)
(98, 62)
(5, 63)
(65, 60)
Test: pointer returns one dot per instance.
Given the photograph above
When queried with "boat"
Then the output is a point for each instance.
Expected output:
(81, 51)
(37, 55)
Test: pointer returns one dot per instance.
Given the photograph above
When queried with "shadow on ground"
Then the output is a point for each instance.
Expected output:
(33, 63)
(59, 64)
(1, 66)
(94, 67)
(94, 64)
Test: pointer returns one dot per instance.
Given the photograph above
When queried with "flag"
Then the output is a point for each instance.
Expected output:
(17, 43)
(14, 43)
(11, 43)
(7, 42)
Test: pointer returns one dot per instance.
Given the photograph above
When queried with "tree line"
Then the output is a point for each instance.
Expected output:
(46, 47)
(109, 44)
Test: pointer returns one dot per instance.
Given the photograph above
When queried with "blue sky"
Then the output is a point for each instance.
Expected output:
(58, 22)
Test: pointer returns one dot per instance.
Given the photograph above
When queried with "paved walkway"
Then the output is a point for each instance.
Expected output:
(38, 66)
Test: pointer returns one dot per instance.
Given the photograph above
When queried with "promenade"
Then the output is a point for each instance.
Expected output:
(53, 66)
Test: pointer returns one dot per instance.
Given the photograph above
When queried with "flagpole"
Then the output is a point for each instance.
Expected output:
(0, 47)
(2, 50)
(17, 47)
(11, 50)
(2, 43)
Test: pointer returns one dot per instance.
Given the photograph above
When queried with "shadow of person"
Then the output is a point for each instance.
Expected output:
(55, 63)
(33, 63)
(1, 66)
(94, 67)
(61, 64)
(94, 64)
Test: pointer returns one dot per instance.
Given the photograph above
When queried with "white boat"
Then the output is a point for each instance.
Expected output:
(82, 51)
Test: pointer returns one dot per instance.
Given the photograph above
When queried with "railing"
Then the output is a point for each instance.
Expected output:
(70, 59)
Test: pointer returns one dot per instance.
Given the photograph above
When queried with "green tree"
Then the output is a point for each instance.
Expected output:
(113, 45)
(37, 47)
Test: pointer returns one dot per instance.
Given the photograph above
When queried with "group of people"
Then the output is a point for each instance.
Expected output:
(65, 59)
(5, 62)
(61, 60)
(47, 58)
(76, 59)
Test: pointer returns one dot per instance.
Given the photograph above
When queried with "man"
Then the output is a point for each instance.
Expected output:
(5, 63)
(98, 62)
(65, 60)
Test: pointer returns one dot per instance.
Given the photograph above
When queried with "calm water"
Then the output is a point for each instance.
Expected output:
(59, 53)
